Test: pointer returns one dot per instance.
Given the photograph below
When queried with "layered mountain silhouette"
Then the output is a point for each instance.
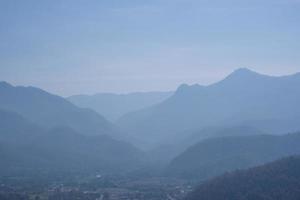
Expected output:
(49, 110)
(195, 136)
(243, 98)
(26, 147)
(215, 156)
(113, 106)
(277, 180)
(166, 152)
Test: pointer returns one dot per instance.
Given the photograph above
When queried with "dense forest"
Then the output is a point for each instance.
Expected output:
(278, 180)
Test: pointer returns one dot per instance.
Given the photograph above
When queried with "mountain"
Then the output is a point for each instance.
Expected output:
(243, 98)
(278, 180)
(215, 156)
(49, 110)
(25, 147)
(113, 106)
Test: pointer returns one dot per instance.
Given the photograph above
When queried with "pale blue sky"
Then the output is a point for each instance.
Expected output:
(88, 46)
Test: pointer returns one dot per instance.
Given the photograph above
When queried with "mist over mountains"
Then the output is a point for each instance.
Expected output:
(146, 100)
(50, 110)
(244, 103)
(26, 147)
(242, 98)
(193, 134)
(41, 131)
(216, 156)
(113, 106)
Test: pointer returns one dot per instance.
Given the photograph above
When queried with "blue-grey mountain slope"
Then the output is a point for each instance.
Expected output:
(215, 156)
(49, 110)
(26, 147)
(164, 153)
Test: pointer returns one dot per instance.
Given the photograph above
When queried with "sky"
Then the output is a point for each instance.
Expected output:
(88, 46)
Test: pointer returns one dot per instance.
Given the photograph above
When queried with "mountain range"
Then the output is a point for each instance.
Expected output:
(42, 132)
(27, 147)
(164, 153)
(203, 130)
(50, 110)
(244, 98)
(113, 106)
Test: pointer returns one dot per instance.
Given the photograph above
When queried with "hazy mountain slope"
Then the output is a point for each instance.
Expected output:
(166, 152)
(14, 125)
(196, 136)
(244, 97)
(50, 110)
(279, 180)
(213, 157)
(113, 106)
(26, 147)
(67, 149)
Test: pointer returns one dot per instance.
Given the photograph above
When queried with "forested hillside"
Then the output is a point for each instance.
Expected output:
(279, 180)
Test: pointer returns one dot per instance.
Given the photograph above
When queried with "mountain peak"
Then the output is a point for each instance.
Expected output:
(243, 75)
(243, 71)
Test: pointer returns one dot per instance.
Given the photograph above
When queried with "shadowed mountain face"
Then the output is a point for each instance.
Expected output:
(213, 157)
(243, 98)
(278, 180)
(25, 147)
(49, 111)
(113, 106)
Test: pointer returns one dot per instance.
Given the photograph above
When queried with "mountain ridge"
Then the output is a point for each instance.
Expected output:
(215, 156)
(239, 98)
(24, 146)
(50, 110)
(113, 106)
